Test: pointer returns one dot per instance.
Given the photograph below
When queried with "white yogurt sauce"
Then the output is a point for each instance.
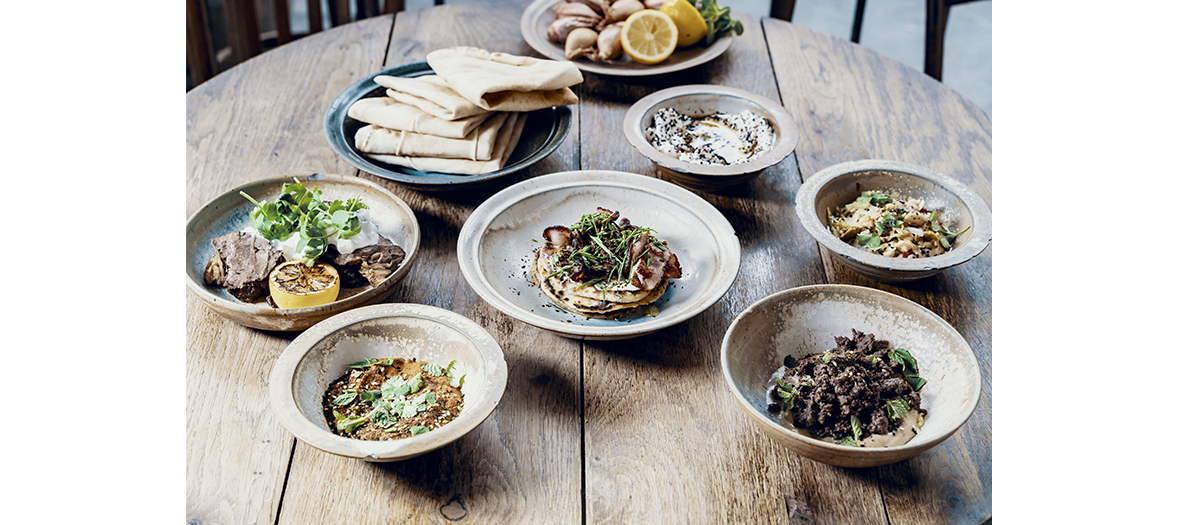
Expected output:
(719, 139)
(367, 236)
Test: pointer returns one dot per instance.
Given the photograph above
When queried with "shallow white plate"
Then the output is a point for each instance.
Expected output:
(497, 242)
(534, 25)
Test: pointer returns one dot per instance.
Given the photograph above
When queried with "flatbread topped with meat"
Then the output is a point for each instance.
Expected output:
(603, 267)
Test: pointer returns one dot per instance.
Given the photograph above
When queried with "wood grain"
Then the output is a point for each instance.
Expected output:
(522, 465)
(260, 119)
(639, 430)
(857, 104)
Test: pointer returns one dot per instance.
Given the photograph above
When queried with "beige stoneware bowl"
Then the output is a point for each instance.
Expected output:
(497, 243)
(322, 354)
(701, 100)
(958, 207)
(805, 320)
(231, 212)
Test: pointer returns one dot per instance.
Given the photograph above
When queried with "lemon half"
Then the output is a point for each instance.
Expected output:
(295, 285)
(649, 36)
(690, 25)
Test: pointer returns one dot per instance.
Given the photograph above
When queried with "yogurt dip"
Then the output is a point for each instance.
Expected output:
(720, 139)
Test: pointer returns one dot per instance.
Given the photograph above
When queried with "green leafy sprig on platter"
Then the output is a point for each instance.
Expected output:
(300, 210)
(717, 21)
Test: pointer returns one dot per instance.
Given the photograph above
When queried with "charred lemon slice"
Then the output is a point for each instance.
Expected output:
(295, 285)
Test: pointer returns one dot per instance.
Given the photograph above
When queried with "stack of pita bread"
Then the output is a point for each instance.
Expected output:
(468, 117)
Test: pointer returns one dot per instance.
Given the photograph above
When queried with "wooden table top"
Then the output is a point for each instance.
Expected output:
(579, 436)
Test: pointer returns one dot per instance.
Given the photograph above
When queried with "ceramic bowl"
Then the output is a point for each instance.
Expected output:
(805, 320)
(958, 207)
(231, 212)
(322, 354)
(497, 243)
(701, 100)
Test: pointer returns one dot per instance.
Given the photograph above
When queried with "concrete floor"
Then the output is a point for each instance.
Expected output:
(895, 28)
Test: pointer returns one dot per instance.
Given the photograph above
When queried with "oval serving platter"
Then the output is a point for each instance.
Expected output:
(534, 26)
(231, 212)
(544, 130)
(497, 243)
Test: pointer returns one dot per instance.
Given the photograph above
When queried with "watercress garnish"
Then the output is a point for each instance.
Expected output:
(298, 209)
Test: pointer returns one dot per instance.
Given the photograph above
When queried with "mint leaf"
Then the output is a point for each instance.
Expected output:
(790, 362)
(848, 441)
(787, 394)
(348, 424)
(887, 222)
(909, 367)
(896, 408)
(394, 388)
(370, 396)
(856, 428)
(418, 430)
(457, 373)
(383, 418)
(433, 369)
(415, 383)
(871, 242)
(406, 408)
(345, 398)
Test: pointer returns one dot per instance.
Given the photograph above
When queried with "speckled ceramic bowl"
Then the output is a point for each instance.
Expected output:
(701, 100)
(231, 212)
(322, 354)
(805, 320)
(958, 207)
(496, 245)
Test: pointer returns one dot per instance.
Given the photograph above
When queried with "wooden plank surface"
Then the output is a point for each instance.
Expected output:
(852, 103)
(522, 465)
(640, 430)
(261, 119)
(665, 442)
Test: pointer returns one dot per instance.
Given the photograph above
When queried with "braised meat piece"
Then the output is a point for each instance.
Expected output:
(242, 262)
(367, 265)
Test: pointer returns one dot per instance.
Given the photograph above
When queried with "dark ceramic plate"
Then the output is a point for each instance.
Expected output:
(543, 132)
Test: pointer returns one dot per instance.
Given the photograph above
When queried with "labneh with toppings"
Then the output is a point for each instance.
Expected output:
(604, 267)
(720, 139)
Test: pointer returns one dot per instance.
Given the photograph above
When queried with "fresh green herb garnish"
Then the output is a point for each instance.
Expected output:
(433, 369)
(909, 367)
(848, 441)
(369, 362)
(896, 408)
(370, 396)
(870, 359)
(300, 210)
(418, 430)
(790, 362)
(888, 222)
(348, 424)
(827, 357)
(345, 398)
(871, 242)
(605, 256)
(944, 237)
(787, 394)
(856, 428)
(383, 417)
(873, 197)
(717, 21)
(457, 373)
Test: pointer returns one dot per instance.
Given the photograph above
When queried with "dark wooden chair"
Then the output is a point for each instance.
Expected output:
(937, 12)
(226, 35)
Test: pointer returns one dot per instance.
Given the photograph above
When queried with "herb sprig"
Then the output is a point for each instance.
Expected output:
(607, 250)
(717, 21)
(300, 210)
(395, 399)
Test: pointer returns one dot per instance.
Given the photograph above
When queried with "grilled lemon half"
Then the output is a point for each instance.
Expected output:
(296, 285)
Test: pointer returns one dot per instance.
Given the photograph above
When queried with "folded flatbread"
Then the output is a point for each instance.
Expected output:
(477, 145)
(503, 82)
(505, 143)
(430, 94)
(391, 114)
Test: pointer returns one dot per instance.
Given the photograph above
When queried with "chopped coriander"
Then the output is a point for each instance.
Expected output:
(433, 369)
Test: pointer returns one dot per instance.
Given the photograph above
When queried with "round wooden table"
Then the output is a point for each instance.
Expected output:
(636, 431)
